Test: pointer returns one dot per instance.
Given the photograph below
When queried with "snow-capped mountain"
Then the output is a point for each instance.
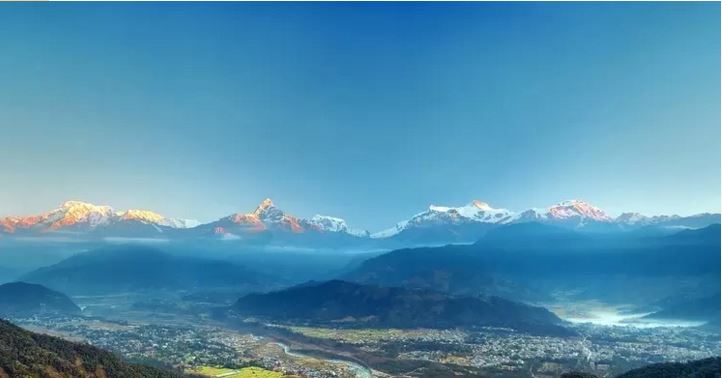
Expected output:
(268, 223)
(325, 223)
(571, 212)
(636, 220)
(461, 224)
(268, 217)
(632, 219)
(77, 216)
(576, 209)
(151, 217)
(435, 216)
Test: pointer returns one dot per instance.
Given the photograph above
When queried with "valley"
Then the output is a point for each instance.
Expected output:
(371, 189)
(501, 306)
(189, 341)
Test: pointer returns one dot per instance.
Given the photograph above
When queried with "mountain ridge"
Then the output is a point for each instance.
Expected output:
(74, 216)
(437, 224)
(349, 304)
(516, 261)
(133, 267)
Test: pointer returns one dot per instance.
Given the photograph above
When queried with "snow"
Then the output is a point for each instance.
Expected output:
(328, 223)
(78, 213)
(267, 215)
(78, 216)
(577, 209)
(632, 218)
(389, 232)
(476, 211)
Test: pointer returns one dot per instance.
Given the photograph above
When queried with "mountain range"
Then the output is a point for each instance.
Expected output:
(136, 268)
(535, 262)
(76, 217)
(268, 224)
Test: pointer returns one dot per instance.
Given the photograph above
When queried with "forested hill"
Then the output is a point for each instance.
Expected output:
(27, 354)
(705, 368)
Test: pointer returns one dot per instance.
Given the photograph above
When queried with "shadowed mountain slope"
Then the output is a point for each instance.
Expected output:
(21, 298)
(345, 303)
(531, 261)
(132, 268)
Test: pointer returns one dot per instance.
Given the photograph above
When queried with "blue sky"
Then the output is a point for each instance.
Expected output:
(370, 111)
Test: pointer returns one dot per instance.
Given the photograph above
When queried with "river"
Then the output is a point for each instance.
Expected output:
(358, 370)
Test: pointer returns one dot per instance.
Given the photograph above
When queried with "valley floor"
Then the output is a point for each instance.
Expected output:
(178, 338)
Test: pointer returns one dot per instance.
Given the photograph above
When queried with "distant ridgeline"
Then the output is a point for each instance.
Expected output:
(530, 261)
(135, 267)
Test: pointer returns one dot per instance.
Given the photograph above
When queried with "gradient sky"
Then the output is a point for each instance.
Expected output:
(367, 111)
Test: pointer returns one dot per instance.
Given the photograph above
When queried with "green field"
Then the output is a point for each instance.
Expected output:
(247, 372)
(360, 336)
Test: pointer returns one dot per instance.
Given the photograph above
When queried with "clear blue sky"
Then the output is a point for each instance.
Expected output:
(366, 111)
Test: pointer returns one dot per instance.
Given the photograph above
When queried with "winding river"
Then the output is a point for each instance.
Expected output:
(359, 370)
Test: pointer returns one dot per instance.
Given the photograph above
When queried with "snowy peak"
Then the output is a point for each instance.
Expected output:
(264, 207)
(574, 212)
(327, 223)
(80, 206)
(480, 205)
(142, 216)
(631, 218)
(474, 212)
(267, 216)
(576, 209)
(73, 213)
(69, 214)
(84, 215)
(150, 217)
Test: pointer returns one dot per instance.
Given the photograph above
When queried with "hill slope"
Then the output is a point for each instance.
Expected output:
(20, 298)
(28, 354)
(530, 261)
(345, 303)
(706, 368)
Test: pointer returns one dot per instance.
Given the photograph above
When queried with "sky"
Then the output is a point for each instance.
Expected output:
(367, 111)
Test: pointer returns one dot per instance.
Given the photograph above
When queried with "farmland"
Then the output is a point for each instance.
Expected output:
(246, 372)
